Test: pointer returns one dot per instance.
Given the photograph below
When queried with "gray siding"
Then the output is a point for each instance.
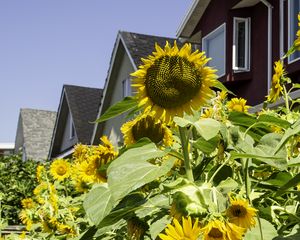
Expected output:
(66, 141)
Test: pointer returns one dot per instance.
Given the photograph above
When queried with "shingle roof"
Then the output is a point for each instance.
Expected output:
(142, 45)
(37, 128)
(83, 103)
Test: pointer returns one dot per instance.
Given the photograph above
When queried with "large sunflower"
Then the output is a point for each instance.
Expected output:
(146, 125)
(27, 203)
(241, 213)
(172, 81)
(276, 88)
(186, 231)
(60, 169)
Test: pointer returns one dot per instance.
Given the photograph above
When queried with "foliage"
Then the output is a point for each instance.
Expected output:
(17, 180)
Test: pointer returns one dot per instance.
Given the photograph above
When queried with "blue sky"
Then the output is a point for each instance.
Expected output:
(47, 43)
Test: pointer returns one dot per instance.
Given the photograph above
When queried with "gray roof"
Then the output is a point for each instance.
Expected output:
(83, 103)
(142, 45)
(37, 127)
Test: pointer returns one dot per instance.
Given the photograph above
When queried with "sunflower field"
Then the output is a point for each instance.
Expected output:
(195, 163)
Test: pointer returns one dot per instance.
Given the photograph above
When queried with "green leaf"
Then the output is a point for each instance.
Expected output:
(293, 182)
(123, 106)
(132, 170)
(221, 87)
(273, 120)
(98, 203)
(158, 226)
(182, 122)
(207, 146)
(293, 130)
(268, 231)
(207, 128)
(227, 186)
(87, 235)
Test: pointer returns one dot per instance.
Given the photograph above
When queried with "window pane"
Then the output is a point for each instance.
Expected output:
(214, 48)
(241, 44)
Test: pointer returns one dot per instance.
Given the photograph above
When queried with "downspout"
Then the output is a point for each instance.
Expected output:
(270, 7)
(281, 28)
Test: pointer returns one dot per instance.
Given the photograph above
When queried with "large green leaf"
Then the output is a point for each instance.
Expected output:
(273, 120)
(268, 231)
(291, 183)
(158, 226)
(132, 170)
(206, 146)
(293, 130)
(207, 128)
(123, 106)
(98, 203)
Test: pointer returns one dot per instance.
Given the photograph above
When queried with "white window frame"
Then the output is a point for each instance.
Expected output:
(290, 40)
(126, 87)
(72, 128)
(211, 35)
(247, 44)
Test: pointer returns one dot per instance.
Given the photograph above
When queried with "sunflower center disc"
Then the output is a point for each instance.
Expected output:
(146, 127)
(61, 170)
(215, 233)
(239, 211)
(172, 81)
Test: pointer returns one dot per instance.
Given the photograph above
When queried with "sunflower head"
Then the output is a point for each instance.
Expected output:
(234, 232)
(60, 169)
(173, 81)
(25, 218)
(214, 230)
(80, 152)
(241, 213)
(238, 105)
(146, 125)
(186, 230)
(40, 172)
(27, 203)
(276, 88)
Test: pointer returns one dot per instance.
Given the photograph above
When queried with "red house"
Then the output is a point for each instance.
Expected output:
(244, 38)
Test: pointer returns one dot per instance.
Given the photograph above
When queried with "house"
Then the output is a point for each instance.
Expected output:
(76, 113)
(244, 38)
(6, 149)
(128, 50)
(34, 132)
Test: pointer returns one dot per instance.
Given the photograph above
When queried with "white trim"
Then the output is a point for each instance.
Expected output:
(270, 60)
(64, 154)
(281, 28)
(209, 36)
(7, 145)
(247, 22)
(289, 34)
(114, 53)
(186, 18)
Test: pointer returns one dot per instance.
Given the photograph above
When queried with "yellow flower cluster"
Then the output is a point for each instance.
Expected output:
(90, 163)
(238, 105)
(276, 88)
(239, 218)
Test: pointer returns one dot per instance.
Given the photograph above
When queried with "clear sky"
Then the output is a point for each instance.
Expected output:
(47, 43)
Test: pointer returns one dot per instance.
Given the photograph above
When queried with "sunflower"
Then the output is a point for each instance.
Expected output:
(81, 186)
(27, 203)
(145, 125)
(171, 81)
(238, 105)
(276, 88)
(25, 219)
(60, 169)
(66, 229)
(241, 214)
(40, 171)
(214, 230)
(186, 231)
(80, 152)
(297, 41)
(234, 232)
(86, 171)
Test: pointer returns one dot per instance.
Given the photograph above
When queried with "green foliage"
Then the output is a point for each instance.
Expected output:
(17, 180)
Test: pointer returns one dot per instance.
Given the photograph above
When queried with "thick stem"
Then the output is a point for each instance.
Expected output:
(185, 148)
(286, 99)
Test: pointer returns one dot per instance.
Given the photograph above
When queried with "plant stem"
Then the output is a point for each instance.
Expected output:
(185, 146)
(286, 99)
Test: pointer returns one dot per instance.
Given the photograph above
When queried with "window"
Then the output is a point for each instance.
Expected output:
(126, 86)
(214, 46)
(72, 129)
(241, 44)
(293, 10)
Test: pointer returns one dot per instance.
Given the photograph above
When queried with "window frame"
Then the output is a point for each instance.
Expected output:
(210, 36)
(126, 87)
(247, 62)
(289, 33)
